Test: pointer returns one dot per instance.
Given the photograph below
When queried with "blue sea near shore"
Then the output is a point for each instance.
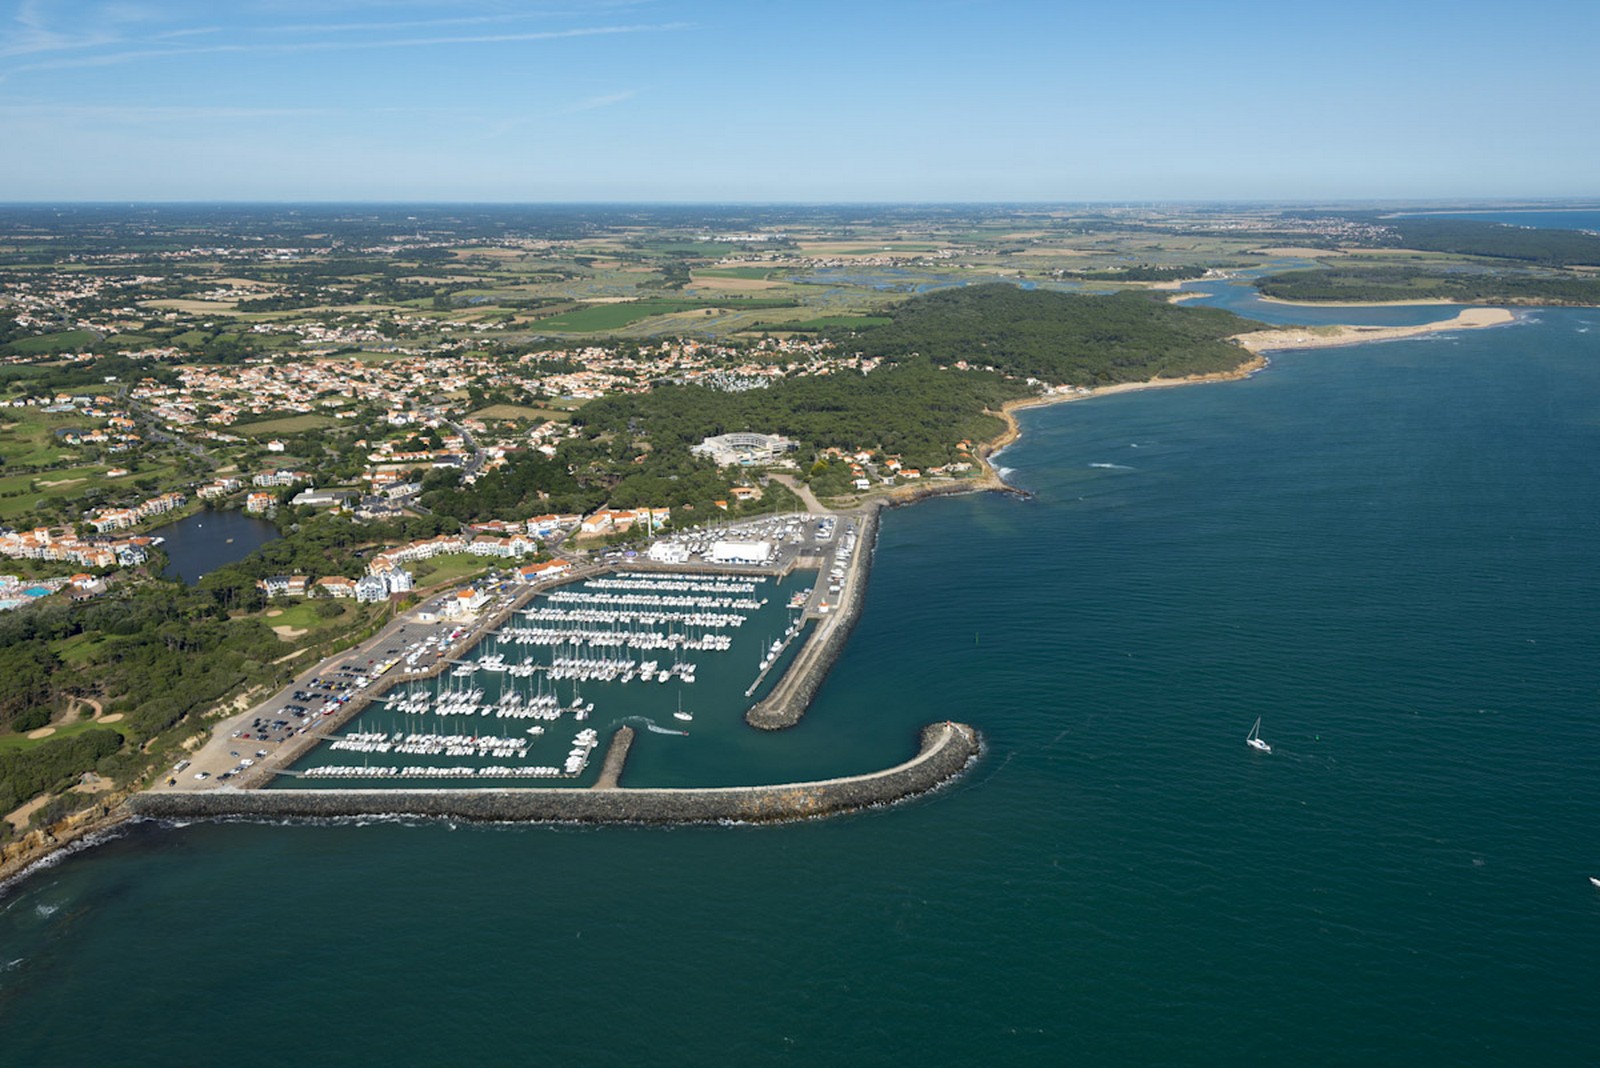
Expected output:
(1544, 219)
(1387, 552)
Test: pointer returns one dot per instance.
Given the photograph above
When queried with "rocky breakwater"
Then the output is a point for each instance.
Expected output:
(790, 698)
(946, 750)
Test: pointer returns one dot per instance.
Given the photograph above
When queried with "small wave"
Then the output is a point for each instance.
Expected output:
(1005, 472)
(46, 911)
(50, 860)
(1113, 467)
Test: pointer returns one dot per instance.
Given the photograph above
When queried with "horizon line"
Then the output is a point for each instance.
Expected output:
(1572, 201)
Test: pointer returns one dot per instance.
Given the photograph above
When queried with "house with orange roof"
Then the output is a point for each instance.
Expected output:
(335, 586)
(548, 569)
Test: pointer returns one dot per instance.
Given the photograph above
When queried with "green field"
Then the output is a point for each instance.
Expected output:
(833, 322)
(66, 341)
(27, 436)
(19, 493)
(758, 273)
(19, 372)
(78, 649)
(271, 428)
(597, 317)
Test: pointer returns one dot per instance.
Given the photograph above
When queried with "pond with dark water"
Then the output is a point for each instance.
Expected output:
(207, 540)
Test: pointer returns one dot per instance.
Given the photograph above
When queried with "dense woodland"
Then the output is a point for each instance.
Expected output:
(1374, 283)
(1475, 237)
(1060, 337)
(913, 409)
(156, 652)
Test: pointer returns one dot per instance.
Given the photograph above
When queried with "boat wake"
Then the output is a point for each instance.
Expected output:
(650, 725)
(1114, 467)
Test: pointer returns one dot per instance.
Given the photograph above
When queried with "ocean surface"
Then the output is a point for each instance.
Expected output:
(1386, 552)
(1544, 219)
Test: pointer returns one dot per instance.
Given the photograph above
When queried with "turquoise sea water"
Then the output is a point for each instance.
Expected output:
(1386, 552)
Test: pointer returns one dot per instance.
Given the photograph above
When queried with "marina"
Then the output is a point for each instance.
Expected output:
(536, 696)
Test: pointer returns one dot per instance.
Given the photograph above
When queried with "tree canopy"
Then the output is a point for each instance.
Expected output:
(1066, 338)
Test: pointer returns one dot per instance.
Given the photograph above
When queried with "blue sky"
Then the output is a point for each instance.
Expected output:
(701, 100)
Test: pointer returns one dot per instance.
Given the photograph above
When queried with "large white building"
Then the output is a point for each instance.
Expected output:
(740, 552)
(744, 449)
(668, 552)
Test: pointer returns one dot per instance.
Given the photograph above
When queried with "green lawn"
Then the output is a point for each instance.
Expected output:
(11, 743)
(19, 492)
(292, 424)
(301, 614)
(452, 567)
(304, 615)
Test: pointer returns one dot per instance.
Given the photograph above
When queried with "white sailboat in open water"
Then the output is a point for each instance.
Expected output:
(1253, 739)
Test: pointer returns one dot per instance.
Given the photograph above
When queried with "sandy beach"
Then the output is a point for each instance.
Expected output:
(1319, 337)
(1357, 303)
(1257, 343)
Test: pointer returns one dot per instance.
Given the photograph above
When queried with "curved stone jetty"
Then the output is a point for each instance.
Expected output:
(947, 749)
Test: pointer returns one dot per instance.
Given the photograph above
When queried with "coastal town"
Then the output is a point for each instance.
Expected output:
(670, 532)
(341, 460)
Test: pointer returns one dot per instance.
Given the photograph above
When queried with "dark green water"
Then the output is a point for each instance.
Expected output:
(1386, 552)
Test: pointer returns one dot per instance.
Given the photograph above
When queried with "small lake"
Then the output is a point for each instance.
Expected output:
(202, 543)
